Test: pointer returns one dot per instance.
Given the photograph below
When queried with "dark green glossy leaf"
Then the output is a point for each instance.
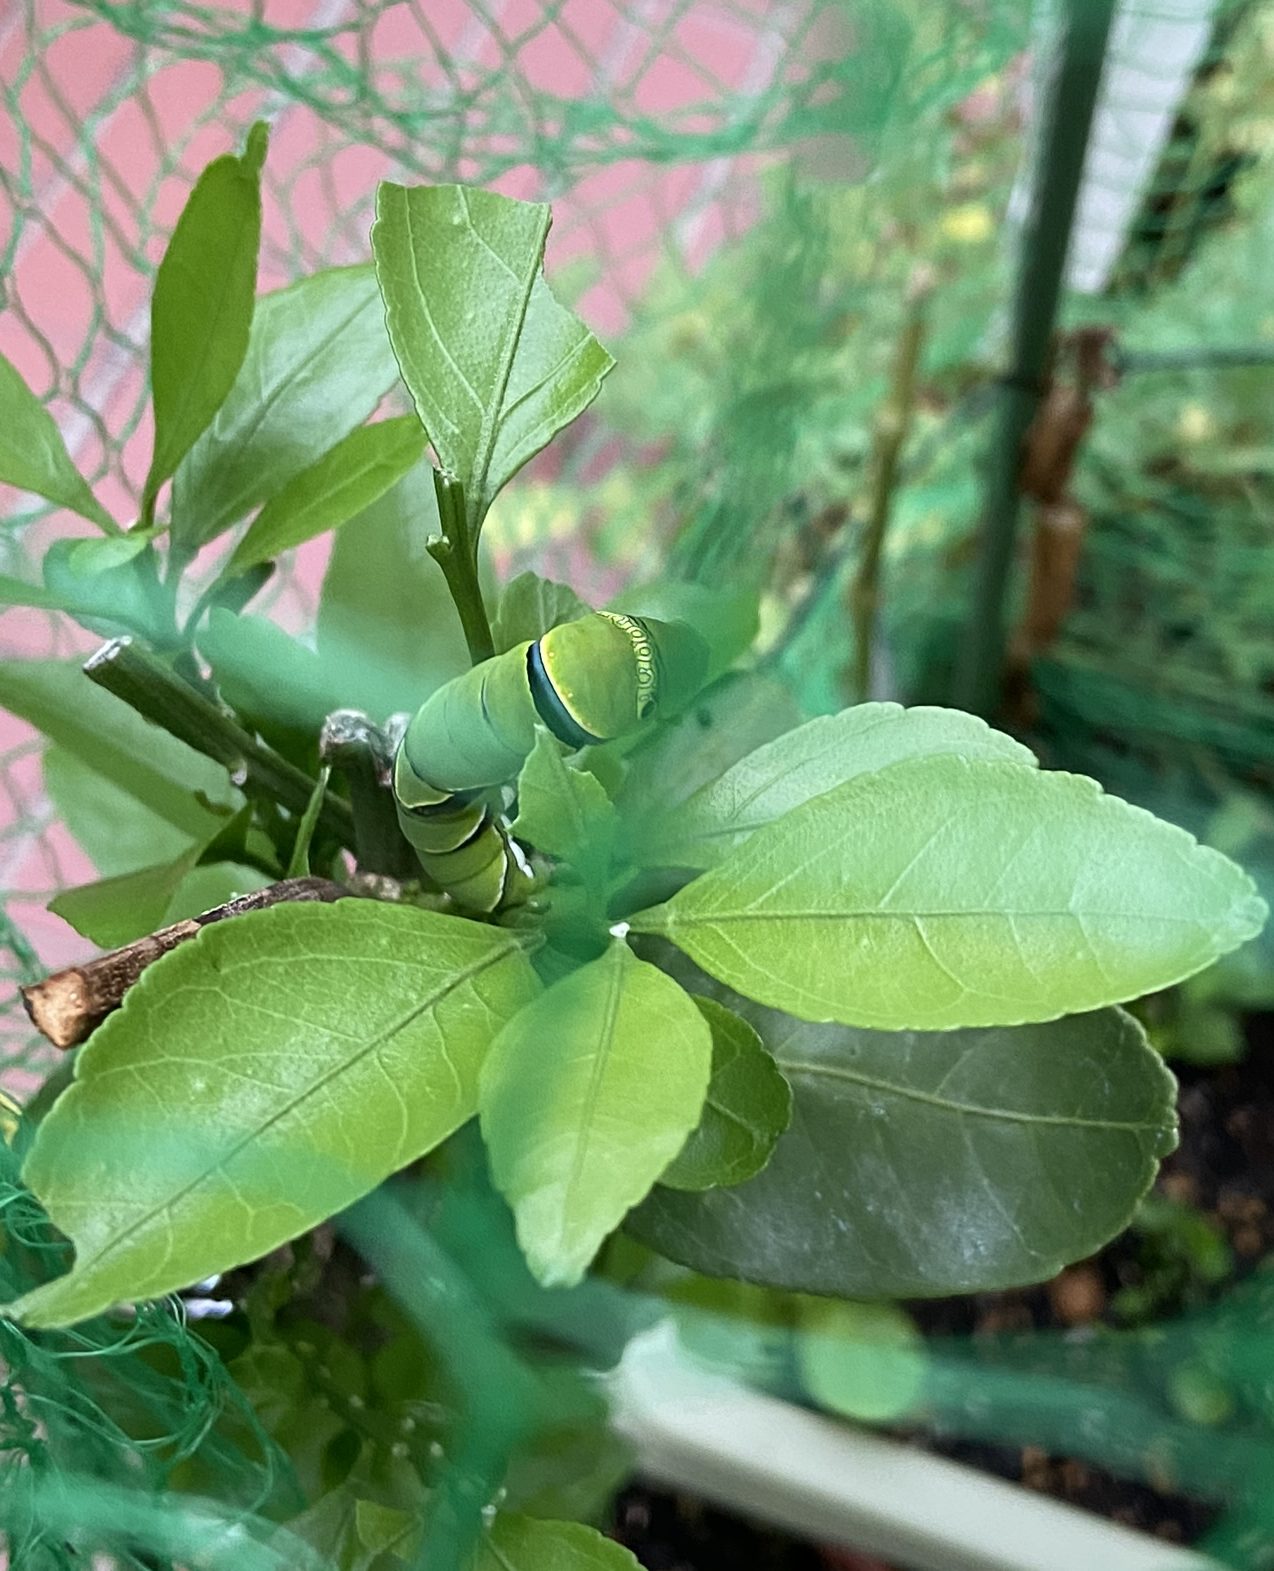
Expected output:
(747, 1108)
(348, 478)
(318, 362)
(944, 891)
(33, 456)
(926, 1163)
(530, 605)
(258, 1079)
(386, 620)
(811, 760)
(201, 309)
(102, 731)
(586, 1097)
(494, 364)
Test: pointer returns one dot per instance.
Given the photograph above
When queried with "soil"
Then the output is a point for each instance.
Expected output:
(1224, 1167)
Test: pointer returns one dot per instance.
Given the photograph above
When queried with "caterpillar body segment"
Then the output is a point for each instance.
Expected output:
(588, 681)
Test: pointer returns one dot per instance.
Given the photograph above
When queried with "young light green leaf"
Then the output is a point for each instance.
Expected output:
(127, 597)
(529, 605)
(348, 478)
(183, 787)
(811, 760)
(88, 558)
(318, 363)
(563, 811)
(258, 1079)
(33, 456)
(494, 364)
(386, 619)
(299, 864)
(865, 1361)
(945, 1162)
(524, 1543)
(585, 1098)
(946, 891)
(747, 1108)
(201, 309)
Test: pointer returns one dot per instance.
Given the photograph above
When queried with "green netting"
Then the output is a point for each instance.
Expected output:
(750, 198)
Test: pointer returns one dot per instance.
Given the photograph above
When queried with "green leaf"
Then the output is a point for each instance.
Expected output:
(725, 722)
(495, 366)
(318, 362)
(258, 1079)
(115, 911)
(386, 619)
(33, 456)
(212, 884)
(13, 592)
(747, 1108)
(127, 597)
(864, 1361)
(299, 863)
(563, 811)
(524, 1543)
(102, 731)
(585, 1098)
(88, 558)
(201, 309)
(275, 683)
(386, 1530)
(115, 830)
(347, 479)
(812, 760)
(529, 605)
(945, 891)
(927, 1163)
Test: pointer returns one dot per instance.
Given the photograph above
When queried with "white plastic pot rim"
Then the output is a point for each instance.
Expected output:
(828, 1481)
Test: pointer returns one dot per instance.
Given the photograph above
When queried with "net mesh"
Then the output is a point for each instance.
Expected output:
(750, 198)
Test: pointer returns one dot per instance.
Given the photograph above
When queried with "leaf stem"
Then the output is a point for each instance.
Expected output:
(146, 684)
(456, 553)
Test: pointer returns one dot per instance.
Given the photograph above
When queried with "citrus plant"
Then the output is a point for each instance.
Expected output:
(828, 1005)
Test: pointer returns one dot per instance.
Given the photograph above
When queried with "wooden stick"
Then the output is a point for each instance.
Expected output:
(67, 1005)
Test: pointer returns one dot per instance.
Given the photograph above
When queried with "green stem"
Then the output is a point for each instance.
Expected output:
(147, 685)
(1068, 121)
(456, 552)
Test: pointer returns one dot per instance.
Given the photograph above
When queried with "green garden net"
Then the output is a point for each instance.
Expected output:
(755, 202)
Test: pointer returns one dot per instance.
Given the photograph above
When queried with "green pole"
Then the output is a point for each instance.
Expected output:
(1068, 119)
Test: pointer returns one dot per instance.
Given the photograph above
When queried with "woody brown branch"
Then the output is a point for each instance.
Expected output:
(68, 1005)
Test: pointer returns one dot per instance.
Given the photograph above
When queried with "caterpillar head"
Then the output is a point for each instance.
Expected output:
(611, 672)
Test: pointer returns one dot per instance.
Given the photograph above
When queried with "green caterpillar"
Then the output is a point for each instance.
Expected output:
(587, 681)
